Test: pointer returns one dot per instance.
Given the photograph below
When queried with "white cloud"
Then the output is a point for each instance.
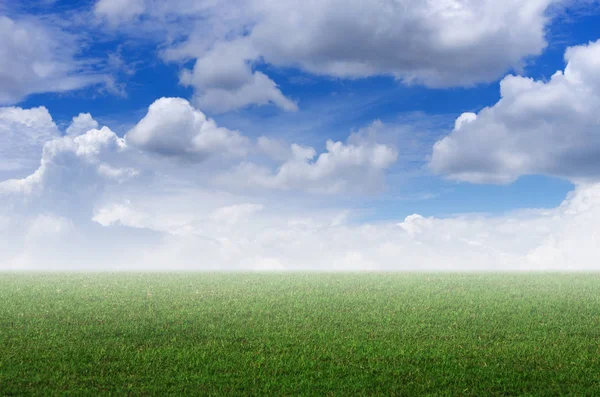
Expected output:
(82, 124)
(120, 214)
(23, 133)
(557, 239)
(536, 127)
(117, 11)
(72, 169)
(258, 90)
(38, 58)
(436, 43)
(224, 80)
(290, 238)
(342, 167)
(172, 127)
(97, 203)
(234, 213)
(357, 165)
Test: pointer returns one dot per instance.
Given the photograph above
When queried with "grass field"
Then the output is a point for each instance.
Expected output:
(300, 334)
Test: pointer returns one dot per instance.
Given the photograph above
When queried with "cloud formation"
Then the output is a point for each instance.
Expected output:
(95, 202)
(23, 133)
(81, 124)
(435, 43)
(342, 167)
(181, 191)
(38, 58)
(224, 80)
(117, 11)
(172, 127)
(536, 127)
(72, 175)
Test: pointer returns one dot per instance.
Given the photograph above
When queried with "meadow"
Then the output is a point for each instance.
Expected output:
(300, 334)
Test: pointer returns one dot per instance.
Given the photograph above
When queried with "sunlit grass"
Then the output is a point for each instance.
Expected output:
(300, 334)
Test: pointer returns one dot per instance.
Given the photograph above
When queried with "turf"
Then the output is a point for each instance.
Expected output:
(300, 334)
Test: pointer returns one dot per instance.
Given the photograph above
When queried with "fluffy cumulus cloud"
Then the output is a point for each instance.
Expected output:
(172, 127)
(436, 43)
(537, 127)
(99, 202)
(38, 58)
(72, 168)
(354, 166)
(81, 124)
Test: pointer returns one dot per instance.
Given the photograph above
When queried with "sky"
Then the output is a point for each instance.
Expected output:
(329, 135)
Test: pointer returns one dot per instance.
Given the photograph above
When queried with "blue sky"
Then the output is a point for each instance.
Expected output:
(388, 85)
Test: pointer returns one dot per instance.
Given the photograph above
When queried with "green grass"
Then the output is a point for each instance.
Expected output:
(300, 334)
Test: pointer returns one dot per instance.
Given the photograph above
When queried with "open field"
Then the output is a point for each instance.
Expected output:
(300, 334)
